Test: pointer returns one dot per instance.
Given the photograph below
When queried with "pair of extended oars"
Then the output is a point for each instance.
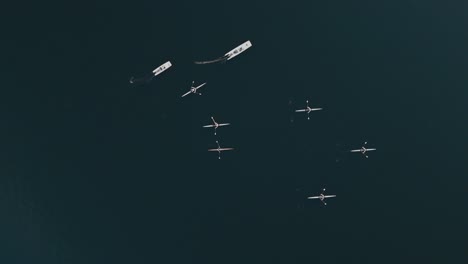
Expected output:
(215, 125)
(308, 110)
(194, 89)
(363, 150)
(322, 197)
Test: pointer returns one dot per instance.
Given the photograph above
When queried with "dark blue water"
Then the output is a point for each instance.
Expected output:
(97, 171)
